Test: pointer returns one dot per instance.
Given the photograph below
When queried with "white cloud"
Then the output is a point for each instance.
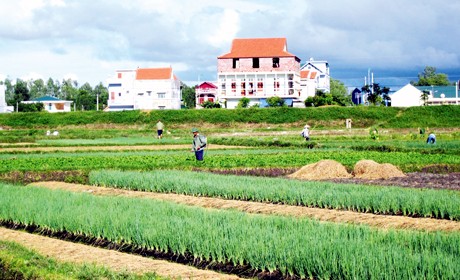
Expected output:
(226, 30)
(91, 39)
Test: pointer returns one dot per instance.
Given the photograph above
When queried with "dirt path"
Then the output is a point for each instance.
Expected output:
(78, 253)
(113, 148)
(380, 221)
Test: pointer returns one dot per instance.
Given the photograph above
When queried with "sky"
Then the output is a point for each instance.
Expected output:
(88, 40)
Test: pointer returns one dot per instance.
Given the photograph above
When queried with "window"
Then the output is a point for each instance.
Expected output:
(161, 107)
(112, 95)
(255, 62)
(223, 88)
(276, 62)
(161, 95)
(236, 63)
(276, 84)
(119, 94)
(260, 84)
(119, 75)
(233, 85)
(243, 87)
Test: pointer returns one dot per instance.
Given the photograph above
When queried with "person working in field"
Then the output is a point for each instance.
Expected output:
(431, 138)
(160, 127)
(306, 132)
(199, 144)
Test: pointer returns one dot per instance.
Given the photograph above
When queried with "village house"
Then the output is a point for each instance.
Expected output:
(258, 69)
(206, 91)
(144, 89)
(52, 104)
(314, 75)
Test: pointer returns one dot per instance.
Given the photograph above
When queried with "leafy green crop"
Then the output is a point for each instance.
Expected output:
(441, 204)
(296, 247)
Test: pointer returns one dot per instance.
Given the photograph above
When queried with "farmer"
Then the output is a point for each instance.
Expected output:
(431, 138)
(198, 144)
(160, 127)
(306, 132)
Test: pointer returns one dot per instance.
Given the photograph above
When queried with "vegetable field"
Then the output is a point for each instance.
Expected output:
(229, 240)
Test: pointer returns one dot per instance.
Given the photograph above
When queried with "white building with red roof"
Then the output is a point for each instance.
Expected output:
(314, 75)
(144, 89)
(258, 69)
(205, 91)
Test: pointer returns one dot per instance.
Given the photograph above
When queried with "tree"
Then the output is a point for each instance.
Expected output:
(188, 96)
(101, 91)
(52, 89)
(86, 100)
(32, 107)
(337, 96)
(340, 93)
(376, 94)
(68, 90)
(429, 77)
(424, 97)
(21, 92)
(209, 104)
(37, 88)
(275, 101)
(9, 93)
(243, 103)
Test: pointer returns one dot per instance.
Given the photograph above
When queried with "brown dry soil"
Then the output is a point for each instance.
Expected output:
(412, 180)
(65, 251)
(79, 253)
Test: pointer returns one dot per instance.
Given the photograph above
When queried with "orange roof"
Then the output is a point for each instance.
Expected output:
(154, 74)
(307, 74)
(304, 74)
(260, 47)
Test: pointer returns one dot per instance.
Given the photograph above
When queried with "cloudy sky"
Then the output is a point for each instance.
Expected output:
(88, 40)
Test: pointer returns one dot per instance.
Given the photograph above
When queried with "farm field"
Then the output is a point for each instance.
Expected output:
(237, 213)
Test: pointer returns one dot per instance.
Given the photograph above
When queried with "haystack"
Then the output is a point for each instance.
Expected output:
(322, 170)
(369, 169)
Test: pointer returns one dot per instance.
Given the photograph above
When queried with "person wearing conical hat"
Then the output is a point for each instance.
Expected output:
(306, 132)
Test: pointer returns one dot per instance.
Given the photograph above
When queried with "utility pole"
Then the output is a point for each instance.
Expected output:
(456, 93)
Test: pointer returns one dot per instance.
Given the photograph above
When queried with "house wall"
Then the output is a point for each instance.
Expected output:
(125, 90)
(265, 64)
(203, 93)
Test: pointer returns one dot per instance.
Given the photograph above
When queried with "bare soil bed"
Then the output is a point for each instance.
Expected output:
(411, 180)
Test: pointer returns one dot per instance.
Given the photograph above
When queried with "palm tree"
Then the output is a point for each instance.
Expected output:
(424, 97)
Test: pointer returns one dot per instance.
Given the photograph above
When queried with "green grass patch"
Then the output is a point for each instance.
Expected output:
(18, 262)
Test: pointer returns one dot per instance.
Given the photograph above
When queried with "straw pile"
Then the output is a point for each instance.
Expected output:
(369, 169)
(322, 170)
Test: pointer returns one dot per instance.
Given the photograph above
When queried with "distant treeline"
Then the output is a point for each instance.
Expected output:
(327, 117)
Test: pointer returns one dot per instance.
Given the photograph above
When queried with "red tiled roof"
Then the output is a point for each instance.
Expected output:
(260, 47)
(206, 85)
(307, 74)
(154, 74)
(304, 74)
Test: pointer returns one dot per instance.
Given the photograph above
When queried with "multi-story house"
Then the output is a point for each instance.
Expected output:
(206, 91)
(314, 75)
(144, 89)
(258, 69)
